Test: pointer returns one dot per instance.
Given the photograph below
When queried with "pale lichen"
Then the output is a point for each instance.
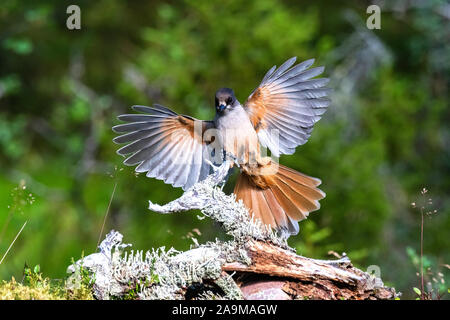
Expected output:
(232, 215)
(161, 274)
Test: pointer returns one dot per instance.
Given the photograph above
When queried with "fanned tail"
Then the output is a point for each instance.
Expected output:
(280, 200)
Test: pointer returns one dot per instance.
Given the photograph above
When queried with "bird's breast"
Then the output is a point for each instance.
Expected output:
(238, 136)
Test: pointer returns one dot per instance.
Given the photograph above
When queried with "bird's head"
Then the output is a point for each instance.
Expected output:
(225, 99)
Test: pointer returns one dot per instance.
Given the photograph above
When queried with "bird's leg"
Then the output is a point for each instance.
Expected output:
(232, 160)
(224, 181)
(222, 173)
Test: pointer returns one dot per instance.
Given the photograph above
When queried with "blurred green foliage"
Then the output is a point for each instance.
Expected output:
(384, 137)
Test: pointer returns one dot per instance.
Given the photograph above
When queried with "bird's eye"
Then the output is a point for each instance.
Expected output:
(229, 101)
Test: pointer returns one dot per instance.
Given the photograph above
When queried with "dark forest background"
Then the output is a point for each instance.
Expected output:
(384, 138)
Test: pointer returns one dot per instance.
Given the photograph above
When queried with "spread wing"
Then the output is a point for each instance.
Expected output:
(290, 102)
(164, 144)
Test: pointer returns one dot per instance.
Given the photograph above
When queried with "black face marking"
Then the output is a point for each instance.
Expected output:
(224, 96)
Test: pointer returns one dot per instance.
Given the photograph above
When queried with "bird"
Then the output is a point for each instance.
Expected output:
(278, 116)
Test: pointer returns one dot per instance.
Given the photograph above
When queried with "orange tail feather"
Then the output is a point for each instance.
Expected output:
(282, 200)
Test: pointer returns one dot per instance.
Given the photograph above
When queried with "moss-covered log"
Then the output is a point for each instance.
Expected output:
(256, 264)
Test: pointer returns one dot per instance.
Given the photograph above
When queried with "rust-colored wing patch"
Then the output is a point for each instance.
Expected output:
(165, 145)
(287, 104)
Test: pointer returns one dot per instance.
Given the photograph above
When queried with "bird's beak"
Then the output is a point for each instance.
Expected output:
(221, 107)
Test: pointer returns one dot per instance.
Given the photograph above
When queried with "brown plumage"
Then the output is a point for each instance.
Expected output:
(279, 199)
(278, 115)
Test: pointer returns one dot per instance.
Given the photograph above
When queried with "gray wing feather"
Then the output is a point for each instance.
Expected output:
(178, 160)
(268, 74)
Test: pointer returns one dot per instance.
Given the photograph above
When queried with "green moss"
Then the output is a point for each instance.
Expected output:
(13, 290)
(37, 287)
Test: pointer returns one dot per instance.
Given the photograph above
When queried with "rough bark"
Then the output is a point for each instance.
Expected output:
(276, 273)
